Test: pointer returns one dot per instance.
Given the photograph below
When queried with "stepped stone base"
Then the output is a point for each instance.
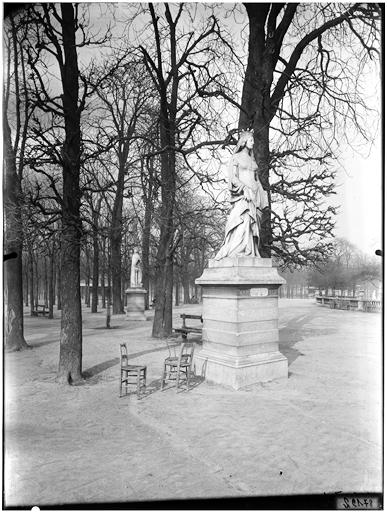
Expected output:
(135, 300)
(240, 322)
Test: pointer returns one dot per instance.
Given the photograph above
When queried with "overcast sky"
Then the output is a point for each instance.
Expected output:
(360, 195)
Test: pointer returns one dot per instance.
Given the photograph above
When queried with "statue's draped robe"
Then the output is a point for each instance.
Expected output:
(248, 199)
(135, 272)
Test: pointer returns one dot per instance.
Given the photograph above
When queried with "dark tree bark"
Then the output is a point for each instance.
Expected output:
(70, 356)
(103, 274)
(26, 281)
(177, 290)
(149, 188)
(58, 285)
(162, 324)
(31, 278)
(51, 293)
(256, 113)
(87, 276)
(94, 293)
(186, 294)
(13, 242)
(37, 282)
(116, 241)
(45, 283)
(145, 250)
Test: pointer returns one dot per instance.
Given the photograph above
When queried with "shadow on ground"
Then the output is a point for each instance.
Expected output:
(294, 332)
(169, 387)
(101, 367)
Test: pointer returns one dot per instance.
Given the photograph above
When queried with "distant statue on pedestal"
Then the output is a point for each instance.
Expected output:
(248, 199)
(136, 271)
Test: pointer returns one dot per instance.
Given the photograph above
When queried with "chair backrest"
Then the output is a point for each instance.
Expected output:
(172, 346)
(186, 353)
(124, 353)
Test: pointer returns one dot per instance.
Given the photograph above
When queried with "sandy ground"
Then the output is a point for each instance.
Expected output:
(319, 431)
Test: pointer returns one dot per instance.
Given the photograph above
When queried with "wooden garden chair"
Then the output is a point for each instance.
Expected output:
(130, 373)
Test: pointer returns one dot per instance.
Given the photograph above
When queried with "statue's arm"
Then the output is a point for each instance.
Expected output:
(235, 184)
(238, 187)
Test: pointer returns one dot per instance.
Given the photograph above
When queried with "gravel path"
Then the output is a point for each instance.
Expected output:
(318, 431)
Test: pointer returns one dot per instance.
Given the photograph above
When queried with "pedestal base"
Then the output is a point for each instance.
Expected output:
(240, 322)
(238, 373)
(135, 304)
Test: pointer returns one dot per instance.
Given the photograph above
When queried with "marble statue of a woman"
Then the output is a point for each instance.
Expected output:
(136, 272)
(248, 199)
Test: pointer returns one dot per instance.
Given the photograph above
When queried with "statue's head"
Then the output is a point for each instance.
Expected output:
(246, 140)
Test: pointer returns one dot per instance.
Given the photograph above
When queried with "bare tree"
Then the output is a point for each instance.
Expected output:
(16, 104)
(55, 29)
(295, 80)
(124, 97)
(61, 90)
(183, 68)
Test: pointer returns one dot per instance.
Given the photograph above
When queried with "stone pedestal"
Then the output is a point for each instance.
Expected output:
(135, 300)
(240, 322)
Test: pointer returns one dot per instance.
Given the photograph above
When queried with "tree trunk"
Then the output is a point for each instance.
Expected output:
(45, 282)
(186, 291)
(185, 277)
(256, 113)
(58, 285)
(36, 294)
(13, 242)
(51, 294)
(94, 293)
(26, 280)
(94, 290)
(70, 356)
(87, 292)
(103, 275)
(53, 280)
(103, 292)
(116, 272)
(177, 290)
(145, 250)
(116, 240)
(31, 278)
(162, 324)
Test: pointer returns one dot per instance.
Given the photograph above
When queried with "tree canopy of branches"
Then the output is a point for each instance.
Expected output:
(16, 106)
(182, 67)
(345, 269)
(302, 92)
(54, 30)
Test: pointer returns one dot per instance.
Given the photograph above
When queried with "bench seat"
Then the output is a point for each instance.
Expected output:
(40, 310)
(185, 329)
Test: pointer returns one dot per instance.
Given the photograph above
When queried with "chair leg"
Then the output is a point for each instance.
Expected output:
(177, 379)
(187, 371)
(120, 383)
(138, 383)
(163, 377)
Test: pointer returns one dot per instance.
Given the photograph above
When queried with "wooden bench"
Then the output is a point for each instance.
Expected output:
(41, 309)
(372, 306)
(185, 329)
(348, 303)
